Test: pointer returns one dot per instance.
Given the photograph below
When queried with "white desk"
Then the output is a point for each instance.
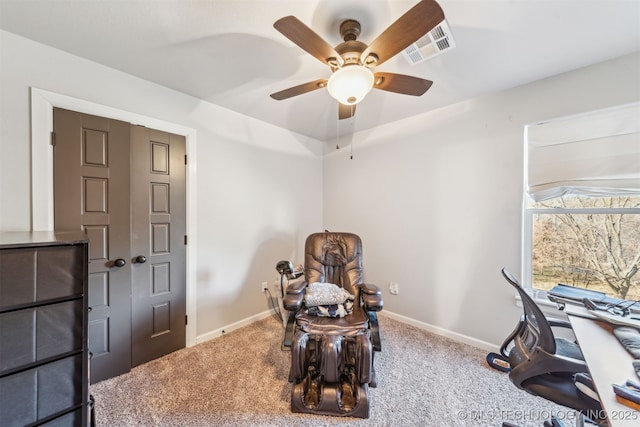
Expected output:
(608, 363)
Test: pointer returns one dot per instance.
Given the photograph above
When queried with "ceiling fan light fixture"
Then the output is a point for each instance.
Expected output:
(350, 84)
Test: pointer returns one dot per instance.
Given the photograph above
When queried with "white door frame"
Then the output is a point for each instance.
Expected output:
(42, 104)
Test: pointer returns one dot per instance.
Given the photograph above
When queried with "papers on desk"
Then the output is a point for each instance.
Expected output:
(615, 319)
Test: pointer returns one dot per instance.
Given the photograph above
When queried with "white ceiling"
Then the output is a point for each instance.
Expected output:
(227, 51)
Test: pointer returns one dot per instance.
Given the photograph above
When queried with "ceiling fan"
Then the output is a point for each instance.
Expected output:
(351, 61)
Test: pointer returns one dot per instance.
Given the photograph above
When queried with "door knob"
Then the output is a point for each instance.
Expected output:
(119, 262)
(141, 259)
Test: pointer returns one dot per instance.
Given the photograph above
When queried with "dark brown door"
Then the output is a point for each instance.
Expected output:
(125, 187)
(91, 181)
(158, 246)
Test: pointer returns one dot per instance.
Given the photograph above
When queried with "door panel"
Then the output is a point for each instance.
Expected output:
(90, 172)
(158, 230)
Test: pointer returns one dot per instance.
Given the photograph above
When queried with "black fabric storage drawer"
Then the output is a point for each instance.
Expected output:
(68, 420)
(57, 330)
(28, 275)
(40, 392)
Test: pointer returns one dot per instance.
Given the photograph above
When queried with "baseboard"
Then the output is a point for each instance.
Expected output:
(236, 325)
(440, 331)
(400, 318)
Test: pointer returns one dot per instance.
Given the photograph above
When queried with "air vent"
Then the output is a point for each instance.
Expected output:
(430, 45)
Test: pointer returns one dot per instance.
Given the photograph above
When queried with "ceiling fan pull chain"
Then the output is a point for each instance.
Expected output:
(338, 133)
(352, 139)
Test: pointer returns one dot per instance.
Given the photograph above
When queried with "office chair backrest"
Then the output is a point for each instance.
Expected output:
(536, 366)
(334, 258)
(536, 331)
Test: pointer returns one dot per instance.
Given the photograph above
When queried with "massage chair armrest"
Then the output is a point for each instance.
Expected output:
(294, 295)
(371, 297)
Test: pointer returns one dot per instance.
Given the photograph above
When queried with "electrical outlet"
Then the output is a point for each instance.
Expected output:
(264, 286)
(394, 288)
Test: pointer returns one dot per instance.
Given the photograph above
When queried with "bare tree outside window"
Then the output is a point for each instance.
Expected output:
(590, 242)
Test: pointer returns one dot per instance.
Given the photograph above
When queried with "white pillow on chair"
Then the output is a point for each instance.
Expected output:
(319, 293)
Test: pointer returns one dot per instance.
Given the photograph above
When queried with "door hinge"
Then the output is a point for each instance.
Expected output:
(185, 159)
(186, 319)
(185, 239)
(53, 139)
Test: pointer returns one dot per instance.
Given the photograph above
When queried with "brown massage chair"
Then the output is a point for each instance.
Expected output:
(332, 345)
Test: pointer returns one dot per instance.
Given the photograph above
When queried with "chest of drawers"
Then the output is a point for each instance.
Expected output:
(43, 329)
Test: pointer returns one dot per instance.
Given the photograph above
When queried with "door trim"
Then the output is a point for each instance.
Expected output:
(42, 104)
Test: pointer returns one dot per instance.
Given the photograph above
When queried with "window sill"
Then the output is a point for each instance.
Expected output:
(549, 308)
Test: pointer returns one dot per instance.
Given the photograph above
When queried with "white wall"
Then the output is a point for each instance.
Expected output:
(249, 175)
(437, 198)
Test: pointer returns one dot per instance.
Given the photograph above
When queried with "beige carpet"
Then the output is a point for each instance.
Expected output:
(240, 379)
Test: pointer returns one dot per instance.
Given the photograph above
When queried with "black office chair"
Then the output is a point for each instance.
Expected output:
(332, 357)
(545, 365)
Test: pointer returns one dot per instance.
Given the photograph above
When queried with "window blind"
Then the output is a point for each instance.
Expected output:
(595, 153)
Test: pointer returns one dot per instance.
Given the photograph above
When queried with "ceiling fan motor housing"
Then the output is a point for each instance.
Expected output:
(350, 30)
(351, 49)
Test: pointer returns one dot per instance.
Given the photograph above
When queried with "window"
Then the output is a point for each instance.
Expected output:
(591, 242)
(582, 202)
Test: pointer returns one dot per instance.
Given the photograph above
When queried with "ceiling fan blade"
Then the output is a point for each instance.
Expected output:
(296, 31)
(300, 89)
(415, 23)
(400, 83)
(346, 111)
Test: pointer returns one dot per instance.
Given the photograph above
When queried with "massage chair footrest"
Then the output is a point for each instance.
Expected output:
(329, 402)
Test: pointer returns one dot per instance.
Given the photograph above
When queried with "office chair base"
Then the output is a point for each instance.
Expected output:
(331, 401)
(499, 362)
